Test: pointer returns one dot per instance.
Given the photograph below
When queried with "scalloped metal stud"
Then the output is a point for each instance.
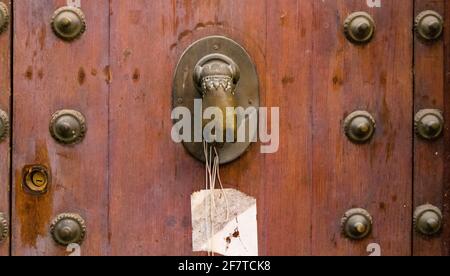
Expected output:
(4, 228)
(4, 17)
(359, 27)
(68, 23)
(68, 229)
(68, 127)
(428, 220)
(357, 224)
(429, 124)
(360, 127)
(429, 25)
(4, 125)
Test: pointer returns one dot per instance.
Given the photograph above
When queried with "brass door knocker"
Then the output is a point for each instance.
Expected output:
(216, 73)
(216, 77)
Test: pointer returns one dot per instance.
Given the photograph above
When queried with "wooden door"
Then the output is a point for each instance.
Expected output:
(132, 184)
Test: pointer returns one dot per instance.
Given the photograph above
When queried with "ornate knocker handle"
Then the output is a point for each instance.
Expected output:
(216, 71)
(216, 77)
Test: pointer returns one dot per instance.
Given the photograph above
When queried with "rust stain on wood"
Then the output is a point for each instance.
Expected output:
(108, 74)
(284, 19)
(81, 76)
(136, 75)
(42, 36)
(41, 74)
(29, 73)
(34, 212)
(337, 80)
(287, 80)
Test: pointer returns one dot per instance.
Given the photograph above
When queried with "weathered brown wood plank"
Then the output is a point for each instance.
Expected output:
(428, 155)
(50, 75)
(5, 102)
(287, 174)
(377, 176)
(151, 190)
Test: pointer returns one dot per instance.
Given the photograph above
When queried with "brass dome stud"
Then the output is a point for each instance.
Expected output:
(356, 224)
(359, 27)
(67, 229)
(68, 23)
(429, 25)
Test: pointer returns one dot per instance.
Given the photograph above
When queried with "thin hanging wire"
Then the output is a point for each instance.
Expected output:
(212, 176)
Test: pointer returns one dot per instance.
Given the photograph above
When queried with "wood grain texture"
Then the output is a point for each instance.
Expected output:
(5, 101)
(377, 78)
(428, 156)
(50, 75)
(308, 69)
(150, 191)
(287, 174)
(132, 184)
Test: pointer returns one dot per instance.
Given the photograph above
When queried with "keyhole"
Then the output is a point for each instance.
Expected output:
(36, 179)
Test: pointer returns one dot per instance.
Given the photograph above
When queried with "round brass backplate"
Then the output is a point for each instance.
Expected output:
(185, 90)
(68, 127)
(360, 127)
(357, 224)
(359, 27)
(68, 23)
(428, 220)
(4, 17)
(429, 25)
(68, 229)
(4, 125)
(4, 228)
(429, 124)
(36, 179)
